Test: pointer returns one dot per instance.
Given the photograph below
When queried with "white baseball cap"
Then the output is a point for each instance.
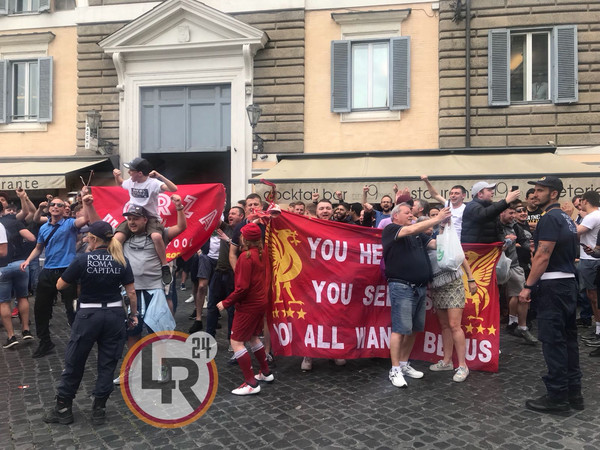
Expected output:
(477, 187)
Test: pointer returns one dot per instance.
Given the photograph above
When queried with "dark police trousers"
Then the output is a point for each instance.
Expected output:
(106, 326)
(44, 301)
(557, 330)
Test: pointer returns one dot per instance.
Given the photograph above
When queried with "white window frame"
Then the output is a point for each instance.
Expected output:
(367, 26)
(529, 65)
(19, 48)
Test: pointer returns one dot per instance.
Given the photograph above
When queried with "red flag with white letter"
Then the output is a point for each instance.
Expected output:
(202, 204)
(329, 295)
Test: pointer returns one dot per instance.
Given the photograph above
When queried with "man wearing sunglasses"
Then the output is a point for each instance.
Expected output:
(58, 236)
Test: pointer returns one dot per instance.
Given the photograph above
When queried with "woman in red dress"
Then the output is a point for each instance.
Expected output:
(250, 300)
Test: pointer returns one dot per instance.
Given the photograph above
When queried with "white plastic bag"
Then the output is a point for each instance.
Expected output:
(450, 254)
(503, 269)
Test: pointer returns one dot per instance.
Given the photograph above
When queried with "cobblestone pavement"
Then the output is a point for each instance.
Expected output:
(354, 406)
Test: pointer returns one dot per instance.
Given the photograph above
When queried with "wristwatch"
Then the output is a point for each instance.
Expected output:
(528, 287)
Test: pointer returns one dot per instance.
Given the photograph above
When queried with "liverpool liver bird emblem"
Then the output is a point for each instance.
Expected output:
(286, 262)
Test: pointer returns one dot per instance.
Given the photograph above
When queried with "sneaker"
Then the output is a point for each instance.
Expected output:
(15, 313)
(306, 364)
(339, 362)
(271, 360)
(165, 374)
(441, 366)
(197, 326)
(182, 288)
(191, 299)
(43, 349)
(117, 381)
(266, 378)
(26, 335)
(397, 378)
(167, 278)
(232, 361)
(410, 372)
(526, 334)
(510, 329)
(11, 342)
(192, 316)
(61, 413)
(246, 389)
(461, 374)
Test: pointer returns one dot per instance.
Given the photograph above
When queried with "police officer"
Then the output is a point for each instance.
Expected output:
(553, 285)
(100, 318)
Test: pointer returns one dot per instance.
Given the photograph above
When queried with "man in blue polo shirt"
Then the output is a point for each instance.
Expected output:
(553, 284)
(58, 236)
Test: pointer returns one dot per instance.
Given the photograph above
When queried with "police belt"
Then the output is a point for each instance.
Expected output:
(408, 283)
(118, 304)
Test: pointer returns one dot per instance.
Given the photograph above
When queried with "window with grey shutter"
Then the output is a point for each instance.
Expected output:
(499, 67)
(3, 7)
(3, 99)
(400, 73)
(44, 5)
(564, 64)
(340, 76)
(45, 86)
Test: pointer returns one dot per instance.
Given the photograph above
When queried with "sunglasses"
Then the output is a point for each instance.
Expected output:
(58, 205)
(520, 210)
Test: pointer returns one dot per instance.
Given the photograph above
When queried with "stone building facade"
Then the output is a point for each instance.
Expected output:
(519, 123)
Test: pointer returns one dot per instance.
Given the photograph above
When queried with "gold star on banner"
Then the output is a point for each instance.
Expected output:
(491, 330)
(480, 329)
(290, 313)
(275, 313)
(301, 314)
(469, 328)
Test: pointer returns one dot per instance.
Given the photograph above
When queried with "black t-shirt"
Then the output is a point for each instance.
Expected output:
(237, 232)
(534, 216)
(15, 251)
(100, 276)
(556, 226)
(406, 258)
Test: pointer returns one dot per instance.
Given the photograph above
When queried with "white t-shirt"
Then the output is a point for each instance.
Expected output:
(144, 194)
(592, 223)
(457, 214)
(3, 238)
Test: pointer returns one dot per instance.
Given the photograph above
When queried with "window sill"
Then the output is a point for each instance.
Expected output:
(20, 127)
(369, 116)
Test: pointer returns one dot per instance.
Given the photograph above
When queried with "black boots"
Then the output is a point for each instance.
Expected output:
(61, 413)
(99, 410)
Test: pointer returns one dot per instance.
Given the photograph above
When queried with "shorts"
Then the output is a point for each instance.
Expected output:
(449, 296)
(247, 324)
(206, 267)
(408, 307)
(516, 281)
(13, 281)
(588, 269)
(153, 226)
(137, 330)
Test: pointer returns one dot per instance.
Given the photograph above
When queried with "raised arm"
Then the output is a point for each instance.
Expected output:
(118, 177)
(433, 191)
(420, 227)
(167, 185)
(89, 212)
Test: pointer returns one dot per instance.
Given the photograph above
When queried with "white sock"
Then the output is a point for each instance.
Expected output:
(522, 328)
(513, 319)
(395, 368)
(403, 364)
(597, 327)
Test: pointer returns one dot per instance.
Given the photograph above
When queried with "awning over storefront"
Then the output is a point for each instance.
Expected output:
(297, 176)
(40, 174)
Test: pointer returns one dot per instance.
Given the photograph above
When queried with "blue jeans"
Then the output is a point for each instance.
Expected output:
(13, 279)
(408, 307)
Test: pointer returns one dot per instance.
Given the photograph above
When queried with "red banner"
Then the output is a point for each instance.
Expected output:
(329, 295)
(202, 204)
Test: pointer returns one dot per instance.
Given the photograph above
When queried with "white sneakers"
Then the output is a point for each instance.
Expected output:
(441, 366)
(266, 378)
(461, 374)
(397, 378)
(306, 364)
(408, 371)
(246, 389)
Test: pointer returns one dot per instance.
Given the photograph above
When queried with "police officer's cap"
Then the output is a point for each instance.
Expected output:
(550, 181)
(101, 229)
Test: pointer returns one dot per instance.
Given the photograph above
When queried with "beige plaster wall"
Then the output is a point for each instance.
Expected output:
(418, 126)
(60, 137)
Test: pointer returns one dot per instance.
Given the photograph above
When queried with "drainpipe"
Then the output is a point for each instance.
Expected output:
(468, 77)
